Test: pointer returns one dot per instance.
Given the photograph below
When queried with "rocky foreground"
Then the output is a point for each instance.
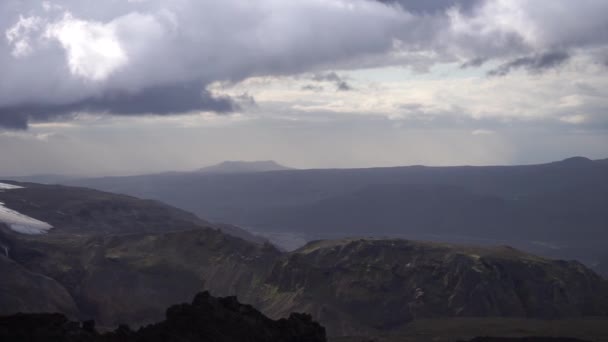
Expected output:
(206, 319)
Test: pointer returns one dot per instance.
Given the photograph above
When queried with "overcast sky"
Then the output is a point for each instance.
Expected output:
(133, 86)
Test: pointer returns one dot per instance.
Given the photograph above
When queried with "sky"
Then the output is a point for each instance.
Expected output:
(134, 86)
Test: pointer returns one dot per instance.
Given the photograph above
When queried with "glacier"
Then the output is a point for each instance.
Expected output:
(18, 222)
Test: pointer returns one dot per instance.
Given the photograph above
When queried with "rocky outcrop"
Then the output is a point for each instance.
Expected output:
(225, 319)
(206, 319)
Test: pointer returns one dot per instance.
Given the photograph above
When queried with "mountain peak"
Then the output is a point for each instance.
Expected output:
(239, 166)
(577, 160)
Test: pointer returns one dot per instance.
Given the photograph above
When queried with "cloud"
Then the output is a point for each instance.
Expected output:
(64, 55)
(18, 35)
(473, 63)
(483, 132)
(312, 87)
(93, 49)
(159, 100)
(537, 63)
(340, 83)
(574, 119)
(433, 6)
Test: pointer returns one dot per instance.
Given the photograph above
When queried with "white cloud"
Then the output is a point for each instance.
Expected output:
(574, 119)
(19, 35)
(49, 6)
(93, 49)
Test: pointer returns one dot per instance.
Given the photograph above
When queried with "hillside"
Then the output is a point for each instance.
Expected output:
(25, 291)
(358, 284)
(91, 212)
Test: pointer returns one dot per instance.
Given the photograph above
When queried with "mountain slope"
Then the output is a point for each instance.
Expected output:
(120, 275)
(112, 277)
(358, 284)
(91, 212)
(25, 291)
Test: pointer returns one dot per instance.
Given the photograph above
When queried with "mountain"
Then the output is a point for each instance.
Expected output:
(118, 259)
(561, 204)
(357, 285)
(42, 178)
(244, 167)
(87, 211)
(206, 319)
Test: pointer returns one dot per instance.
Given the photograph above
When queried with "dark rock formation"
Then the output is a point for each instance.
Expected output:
(206, 319)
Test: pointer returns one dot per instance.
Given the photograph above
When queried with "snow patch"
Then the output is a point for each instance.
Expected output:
(4, 186)
(18, 222)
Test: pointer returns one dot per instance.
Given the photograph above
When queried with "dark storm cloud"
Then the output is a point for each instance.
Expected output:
(340, 83)
(160, 100)
(537, 63)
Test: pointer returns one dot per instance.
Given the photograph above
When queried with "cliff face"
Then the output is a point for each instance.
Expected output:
(206, 319)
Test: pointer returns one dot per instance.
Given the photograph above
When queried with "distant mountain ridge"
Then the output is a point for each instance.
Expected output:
(561, 204)
(244, 167)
